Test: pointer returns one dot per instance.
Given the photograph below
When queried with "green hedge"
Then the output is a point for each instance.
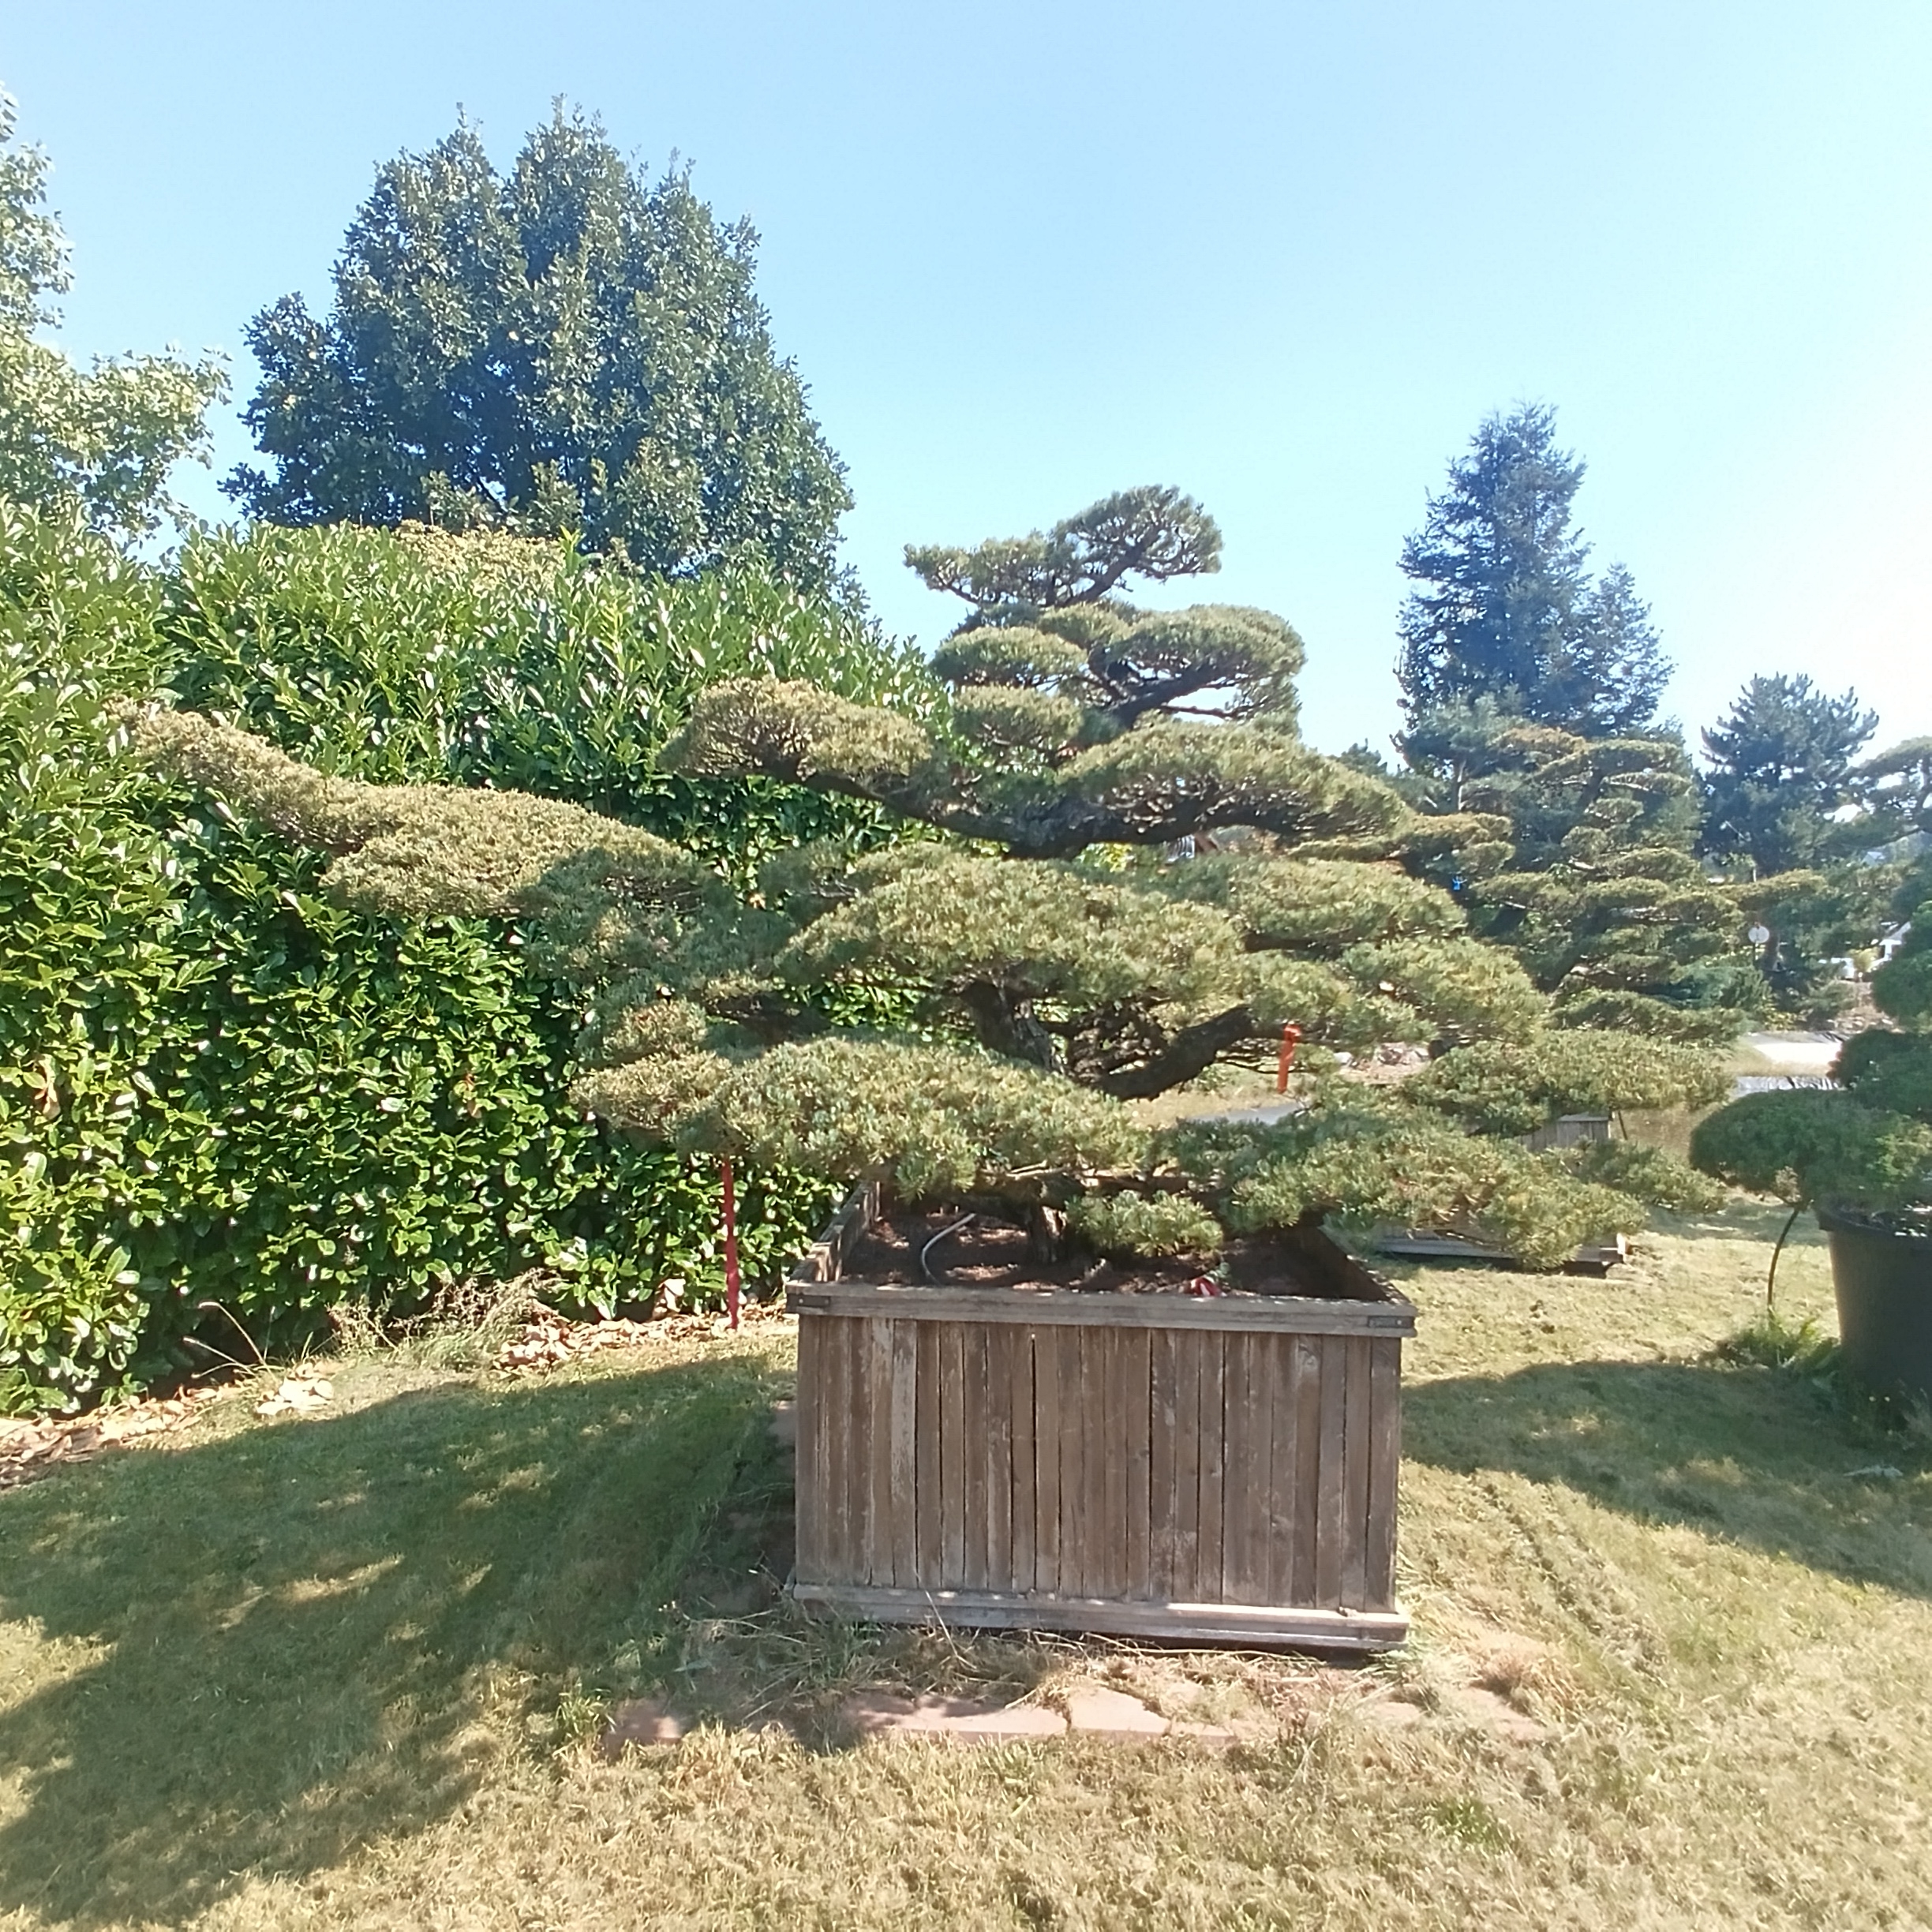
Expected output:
(218, 1088)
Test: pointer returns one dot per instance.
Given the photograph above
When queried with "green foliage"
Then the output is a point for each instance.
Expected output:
(1651, 1175)
(1127, 1227)
(1603, 900)
(103, 439)
(1506, 610)
(1506, 1087)
(561, 349)
(219, 1083)
(1811, 1145)
(1153, 532)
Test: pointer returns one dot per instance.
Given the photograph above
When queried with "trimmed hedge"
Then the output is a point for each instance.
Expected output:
(218, 1088)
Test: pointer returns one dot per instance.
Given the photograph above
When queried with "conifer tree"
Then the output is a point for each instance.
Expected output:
(1054, 961)
(1603, 900)
(1504, 608)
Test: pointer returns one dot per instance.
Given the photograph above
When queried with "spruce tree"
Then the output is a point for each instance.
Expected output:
(1054, 961)
(1505, 608)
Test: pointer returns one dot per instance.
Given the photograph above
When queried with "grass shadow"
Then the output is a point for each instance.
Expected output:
(269, 1647)
(1766, 1458)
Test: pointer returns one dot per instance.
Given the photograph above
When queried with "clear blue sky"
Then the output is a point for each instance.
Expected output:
(1285, 256)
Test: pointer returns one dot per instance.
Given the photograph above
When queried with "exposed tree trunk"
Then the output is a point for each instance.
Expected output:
(1193, 1051)
(1007, 1026)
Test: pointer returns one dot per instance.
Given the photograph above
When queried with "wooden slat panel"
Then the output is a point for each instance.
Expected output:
(1050, 1347)
(1160, 1512)
(1384, 1466)
(876, 1395)
(1001, 1352)
(903, 1475)
(843, 1427)
(1024, 1488)
(1114, 1435)
(1185, 1586)
(951, 1455)
(1296, 1314)
(1073, 1436)
(1136, 1351)
(810, 1480)
(1355, 1440)
(929, 1572)
(1213, 1467)
(1284, 1420)
(1329, 1483)
(1308, 1358)
(972, 1451)
(1251, 1473)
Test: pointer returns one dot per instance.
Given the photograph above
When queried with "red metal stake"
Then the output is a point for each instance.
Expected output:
(731, 1246)
(1291, 1038)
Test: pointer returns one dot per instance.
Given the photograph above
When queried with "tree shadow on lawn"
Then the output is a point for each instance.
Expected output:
(288, 1639)
(1766, 1459)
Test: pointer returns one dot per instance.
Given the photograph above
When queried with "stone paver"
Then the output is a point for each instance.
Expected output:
(1094, 1711)
(878, 1713)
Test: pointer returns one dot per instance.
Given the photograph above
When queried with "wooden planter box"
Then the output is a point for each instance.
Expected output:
(1152, 1464)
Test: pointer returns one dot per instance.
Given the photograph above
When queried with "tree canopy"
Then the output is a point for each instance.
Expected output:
(977, 1018)
(560, 349)
(1505, 607)
(102, 440)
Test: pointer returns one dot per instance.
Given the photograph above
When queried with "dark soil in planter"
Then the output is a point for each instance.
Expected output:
(990, 1253)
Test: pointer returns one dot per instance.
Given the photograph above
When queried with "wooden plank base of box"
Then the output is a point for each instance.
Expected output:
(1262, 1626)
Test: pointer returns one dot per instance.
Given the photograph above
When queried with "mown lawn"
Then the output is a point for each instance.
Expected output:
(346, 1669)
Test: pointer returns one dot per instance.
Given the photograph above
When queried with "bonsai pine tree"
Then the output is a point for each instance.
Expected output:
(1865, 1149)
(1119, 867)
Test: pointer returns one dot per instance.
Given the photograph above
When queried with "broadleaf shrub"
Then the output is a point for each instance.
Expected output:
(218, 1087)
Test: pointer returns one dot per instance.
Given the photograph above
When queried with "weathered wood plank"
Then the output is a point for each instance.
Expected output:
(1074, 1438)
(1307, 1354)
(1049, 1346)
(1284, 1421)
(1185, 1561)
(1024, 1488)
(972, 1452)
(877, 1396)
(903, 1475)
(1201, 1623)
(844, 1426)
(1357, 1426)
(929, 1570)
(1213, 1467)
(1161, 1515)
(1330, 1476)
(1041, 1307)
(1384, 1469)
(1112, 1565)
(809, 1559)
(1136, 1351)
(1252, 1483)
(951, 1454)
(1001, 1354)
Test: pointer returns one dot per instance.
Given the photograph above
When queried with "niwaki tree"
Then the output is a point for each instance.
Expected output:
(1504, 608)
(98, 442)
(1033, 976)
(1602, 898)
(561, 349)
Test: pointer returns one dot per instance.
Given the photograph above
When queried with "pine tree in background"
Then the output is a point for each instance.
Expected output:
(1051, 965)
(558, 350)
(1782, 812)
(1505, 608)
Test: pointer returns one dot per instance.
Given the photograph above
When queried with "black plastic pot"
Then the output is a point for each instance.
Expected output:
(1883, 1281)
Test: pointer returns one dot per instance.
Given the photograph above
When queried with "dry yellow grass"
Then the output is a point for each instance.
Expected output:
(315, 1673)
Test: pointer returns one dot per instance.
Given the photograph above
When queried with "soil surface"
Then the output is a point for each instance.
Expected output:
(982, 1252)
